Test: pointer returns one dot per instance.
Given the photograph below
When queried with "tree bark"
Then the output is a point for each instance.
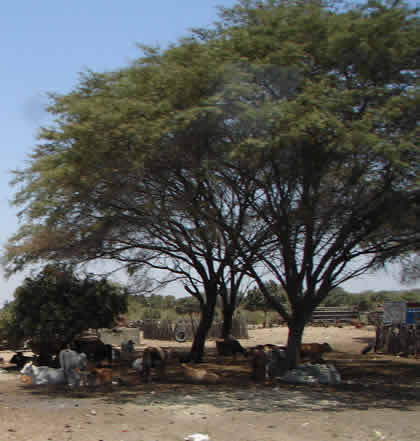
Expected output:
(206, 320)
(265, 319)
(228, 311)
(294, 341)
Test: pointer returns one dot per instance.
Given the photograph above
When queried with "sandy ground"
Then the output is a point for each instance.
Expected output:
(378, 400)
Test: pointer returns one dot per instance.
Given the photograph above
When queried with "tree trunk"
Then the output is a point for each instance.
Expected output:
(206, 320)
(294, 341)
(227, 320)
(46, 352)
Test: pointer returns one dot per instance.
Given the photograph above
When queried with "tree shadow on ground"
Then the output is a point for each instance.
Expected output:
(369, 381)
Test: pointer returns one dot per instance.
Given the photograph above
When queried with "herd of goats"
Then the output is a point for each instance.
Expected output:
(82, 363)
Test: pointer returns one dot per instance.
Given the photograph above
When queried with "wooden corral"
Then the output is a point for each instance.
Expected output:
(170, 330)
(398, 339)
(333, 315)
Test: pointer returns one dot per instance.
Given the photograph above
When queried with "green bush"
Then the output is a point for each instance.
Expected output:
(151, 314)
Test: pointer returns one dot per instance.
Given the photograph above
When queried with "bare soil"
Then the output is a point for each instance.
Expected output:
(379, 399)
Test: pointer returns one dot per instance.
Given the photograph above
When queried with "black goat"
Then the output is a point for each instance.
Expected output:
(230, 346)
(20, 360)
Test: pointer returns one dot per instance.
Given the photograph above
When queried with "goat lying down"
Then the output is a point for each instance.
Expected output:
(199, 375)
(71, 366)
(314, 351)
(43, 374)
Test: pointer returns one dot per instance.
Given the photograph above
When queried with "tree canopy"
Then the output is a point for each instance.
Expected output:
(337, 148)
(283, 140)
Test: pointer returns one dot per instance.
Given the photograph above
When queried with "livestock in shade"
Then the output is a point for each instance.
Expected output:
(277, 364)
(102, 375)
(367, 348)
(258, 364)
(43, 374)
(230, 346)
(72, 363)
(20, 360)
(199, 375)
(314, 351)
(154, 357)
(26, 379)
(127, 347)
(94, 348)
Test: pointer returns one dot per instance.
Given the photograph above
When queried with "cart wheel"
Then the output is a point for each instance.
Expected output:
(180, 336)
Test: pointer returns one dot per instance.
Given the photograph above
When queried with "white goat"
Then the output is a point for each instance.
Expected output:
(43, 374)
(73, 363)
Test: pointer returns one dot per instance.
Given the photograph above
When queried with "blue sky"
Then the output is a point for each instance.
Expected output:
(44, 45)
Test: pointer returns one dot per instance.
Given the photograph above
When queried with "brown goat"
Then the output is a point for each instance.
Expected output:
(199, 375)
(314, 351)
(258, 363)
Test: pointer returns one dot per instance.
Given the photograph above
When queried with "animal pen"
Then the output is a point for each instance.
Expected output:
(332, 315)
(399, 330)
(184, 330)
(396, 339)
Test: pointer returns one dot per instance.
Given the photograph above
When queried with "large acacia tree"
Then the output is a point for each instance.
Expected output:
(283, 140)
(336, 154)
(126, 174)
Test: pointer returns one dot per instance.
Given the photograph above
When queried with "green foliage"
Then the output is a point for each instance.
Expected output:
(6, 314)
(369, 300)
(55, 305)
(410, 296)
(330, 89)
(338, 297)
(7, 328)
(153, 307)
(255, 317)
(255, 300)
(187, 305)
(152, 301)
(134, 308)
(151, 314)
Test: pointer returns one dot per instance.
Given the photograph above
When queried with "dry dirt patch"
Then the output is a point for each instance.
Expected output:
(380, 399)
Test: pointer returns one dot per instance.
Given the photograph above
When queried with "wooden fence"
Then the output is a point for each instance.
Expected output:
(334, 314)
(185, 329)
(397, 339)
